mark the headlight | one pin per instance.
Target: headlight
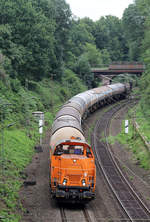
(64, 182)
(83, 182)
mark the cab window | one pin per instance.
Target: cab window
(88, 153)
(68, 149)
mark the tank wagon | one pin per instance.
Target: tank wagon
(72, 163)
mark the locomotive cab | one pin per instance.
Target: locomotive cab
(72, 171)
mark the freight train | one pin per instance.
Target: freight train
(72, 165)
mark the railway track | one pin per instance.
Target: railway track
(131, 204)
(67, 215)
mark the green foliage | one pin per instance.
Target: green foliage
(79, 36)
(16, 153)
(124, 78)
(133, 20)
(142, 118)
(93, 55)
(62, 17)
(16, 107)
(143, 10)
(29, 39)
(33, 36)
(105, 56)
(45, 57)
(133, 141)
(83, 69)
(108, 35)
(4, 66)
(143, 6)
(71, 84)
(15, 85)
(48, 118)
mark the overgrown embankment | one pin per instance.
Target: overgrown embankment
(19, 130)
(133, 140)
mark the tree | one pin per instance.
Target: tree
(105, 56)
(83, 69)
(93, 55)
(133, 20)
(109, 35)
(31, 39)
(79, 36)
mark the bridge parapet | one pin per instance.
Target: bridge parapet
(120, 68)
(127, 66)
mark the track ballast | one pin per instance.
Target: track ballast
(131, 204)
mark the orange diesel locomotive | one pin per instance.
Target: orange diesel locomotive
(72, 163)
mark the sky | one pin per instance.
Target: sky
(94, 9)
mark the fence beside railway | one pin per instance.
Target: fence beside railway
(144, 139)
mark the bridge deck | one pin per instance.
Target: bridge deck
(117, 71)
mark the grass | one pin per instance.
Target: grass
(17, 142)
(134, 143)
(17, 152)
(143, 122)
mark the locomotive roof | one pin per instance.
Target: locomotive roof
(74, 142)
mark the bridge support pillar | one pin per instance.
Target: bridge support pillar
(106, 80)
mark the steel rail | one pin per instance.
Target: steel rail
(84, 211)
(62, 213)
(86, 215)
(126, 196)
(121, 173)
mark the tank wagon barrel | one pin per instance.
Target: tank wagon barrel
(72, 163)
